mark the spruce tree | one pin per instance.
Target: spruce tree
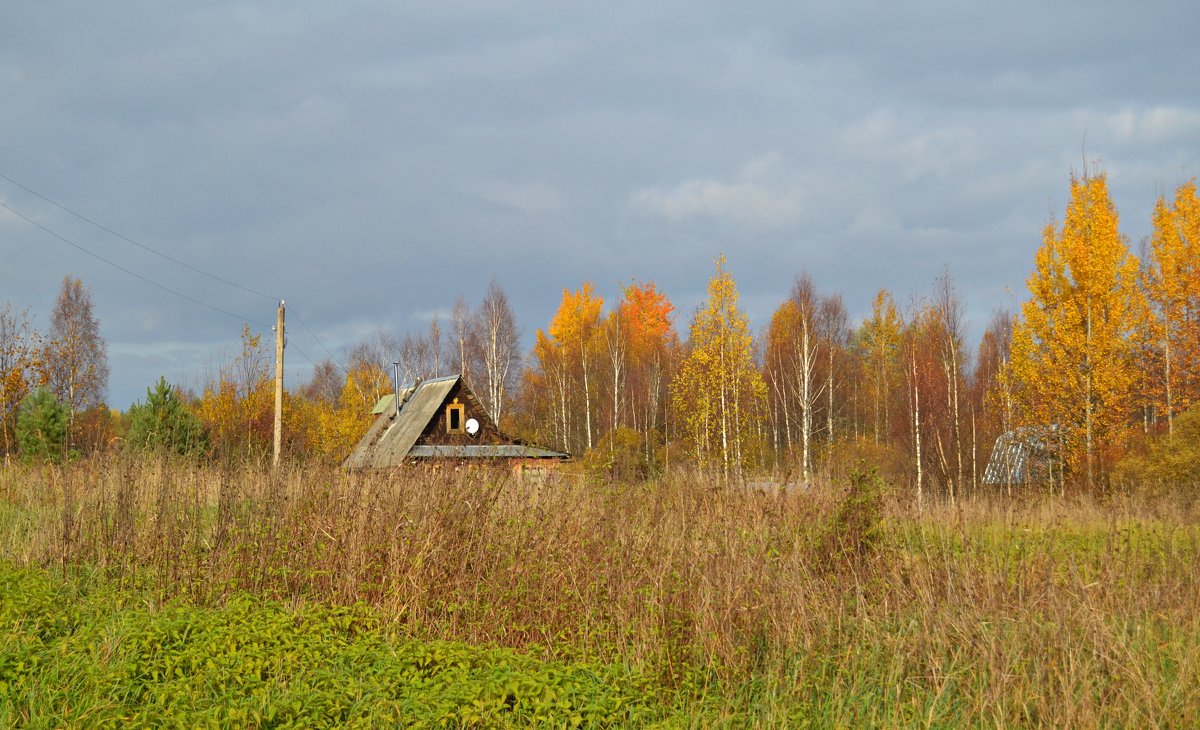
(42, 427)
(165, 424)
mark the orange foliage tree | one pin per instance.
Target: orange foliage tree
(591, 376)
(643, 346)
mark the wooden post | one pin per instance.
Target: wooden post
(279, 343)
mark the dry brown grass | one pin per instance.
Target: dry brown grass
(841, 600)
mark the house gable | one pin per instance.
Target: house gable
(438, 431)
(431, 423)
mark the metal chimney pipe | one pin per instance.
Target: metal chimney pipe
(396, 380)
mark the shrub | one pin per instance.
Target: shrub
(847, 457)
(164, 423)
(622, 455)
(1171, 463)
(42, 427)
(857, 524)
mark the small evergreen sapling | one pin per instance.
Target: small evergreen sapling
(42, 427)
(164, 423)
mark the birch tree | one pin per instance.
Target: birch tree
(77, 361)
(1171, 279)
(879, 341)
(948, 313)
(1072, 355)
(495, 326)
(575, 330)
(718, 389)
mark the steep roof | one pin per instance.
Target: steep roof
(393, 437)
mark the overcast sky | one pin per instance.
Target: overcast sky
(369, 162)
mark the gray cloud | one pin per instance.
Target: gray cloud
(371, 161)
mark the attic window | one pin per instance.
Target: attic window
(454, 417)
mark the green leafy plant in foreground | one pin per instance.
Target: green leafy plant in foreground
(80, 653)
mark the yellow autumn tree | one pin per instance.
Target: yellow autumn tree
(1073, 361)
(1171, 279)
(538, 414)
(344, 424)
(237, 406)
(326, 418)
(576, 336)
(718, 391)
(879, 345)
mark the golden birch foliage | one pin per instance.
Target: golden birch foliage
(647, 324)
(542, 410)
(1072, 352)
(785, 323)
(342, 426)
(718, 391)
(577, 317)
(301, 424)
(238, 408)
(779, 365)
(781, 333)
(545, 390)
(879, 342)
(575, 330)
(327, 429)
(1171, 279)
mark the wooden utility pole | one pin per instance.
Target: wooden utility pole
(279, 343)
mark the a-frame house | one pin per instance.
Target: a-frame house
(437, 419)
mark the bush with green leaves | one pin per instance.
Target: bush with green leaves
(165, 424)
(42, 427)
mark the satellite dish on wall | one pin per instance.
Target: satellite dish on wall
(472, 426)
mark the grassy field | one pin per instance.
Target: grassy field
(680, 602)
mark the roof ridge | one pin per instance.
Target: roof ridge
(422, 381)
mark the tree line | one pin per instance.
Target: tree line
(62, 373)
(1100, 367)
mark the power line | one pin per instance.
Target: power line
(302, 352)
(318, 339)
(142, 246)
(117, 266)
(156, 252)
(153, 283)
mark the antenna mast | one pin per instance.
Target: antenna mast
(279, 344)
